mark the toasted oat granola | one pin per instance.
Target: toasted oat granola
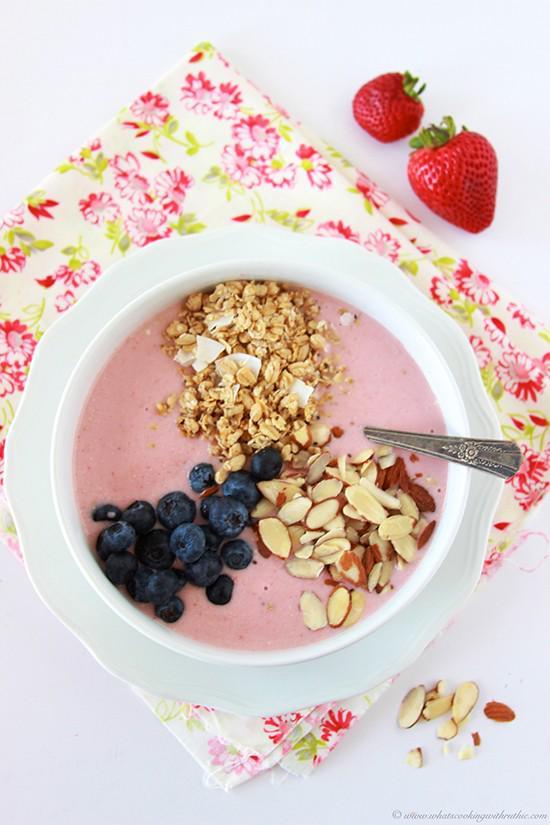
(266, 350)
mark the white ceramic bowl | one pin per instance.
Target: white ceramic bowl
(364, 293)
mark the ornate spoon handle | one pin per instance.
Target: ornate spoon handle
(501, 458)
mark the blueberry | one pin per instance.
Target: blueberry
(201, 477)
(227, 516)
(170, 611)
(266, 464)
(120, 567)
(175, 508)
(237, 554)
(182, 578)
(221, 590)
(114, 539)
(162, 585)
(242, 486)
(212, 539)
(107, 512)
(188, 542)
(137, 584)
(206, 504)
(141, 515)
(206, 570)
(153, 549)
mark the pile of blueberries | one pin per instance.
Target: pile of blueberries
(166, 558)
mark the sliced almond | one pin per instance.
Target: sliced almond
(350, 567)
(386, 461)
(311, 536)
(263, 509)
(414, 758)
(383, 450)
(277, 492)
(385, 499)
(365, 504)
(317, 468)
(431, 694)
(305, 568)
(327, 535)
(338, 606)
(411, 707)
(447, 729)
(406, 548)
(327, 548)
(320, 434)
(352, 513)
(335, 573)
(362, 457)
(351, 477)
(359, 552)
(374, 576)
(385, 573)
(465, 698)
(369, 470)
(419, 527)
(305, 551)
(466, 752)
(395, 527)
(295, 531)
(408, 505)
(342, 464)
(441, 687)
(302, 436)
(313, 610)
(357, 608)
(375, 538)
(337, 523)
(295, 510)
(352, 535)
(437, 707)
(329, 488)
(321, 513)
(275, 536)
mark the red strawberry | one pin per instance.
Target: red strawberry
(389, 107)
(455, 175)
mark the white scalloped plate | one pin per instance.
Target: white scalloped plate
(119, 646)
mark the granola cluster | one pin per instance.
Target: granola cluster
(241, 403)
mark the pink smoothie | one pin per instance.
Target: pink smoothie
(125, 451)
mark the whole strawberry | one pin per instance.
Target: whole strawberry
(455, 175)
(389, 107)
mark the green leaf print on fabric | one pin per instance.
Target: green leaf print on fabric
(308, 747)
(187, 224)
(296, 221)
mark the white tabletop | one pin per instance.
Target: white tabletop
(78, 747)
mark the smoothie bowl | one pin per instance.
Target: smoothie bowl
(211, 476)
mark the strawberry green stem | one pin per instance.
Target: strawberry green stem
(409, 83)
(435, 136)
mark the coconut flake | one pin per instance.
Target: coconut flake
(219, 323)
(184, 358)
(302, 390)
(207, 350)
(199, 365)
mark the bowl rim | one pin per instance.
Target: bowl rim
(202, 276)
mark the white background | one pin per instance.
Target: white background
(77, 747)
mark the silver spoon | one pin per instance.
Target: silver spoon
(500, 458)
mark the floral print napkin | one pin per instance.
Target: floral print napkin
(202, 149)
